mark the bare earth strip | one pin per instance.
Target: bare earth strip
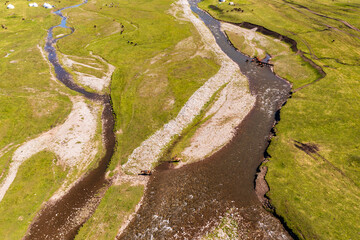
(72, 142)
(229, 110)
(151, 149)
(250, 36)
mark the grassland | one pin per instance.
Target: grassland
(31, 103)
(155, 77)
(37, 179)
(159, 63)
(316, 191)
(118, 202)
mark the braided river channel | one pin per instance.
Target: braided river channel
(187, 202)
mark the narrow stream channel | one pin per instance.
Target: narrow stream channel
(185, 203)
(58, 220)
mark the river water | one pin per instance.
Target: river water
(62, 219)
(186, 203)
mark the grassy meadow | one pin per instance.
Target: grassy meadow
(118, 202)
(156, 60)
(31, 102)
(286, 64)
(160, 61)
(36, 181)
(317, 191)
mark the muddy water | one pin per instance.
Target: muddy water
(185, 203)
(62, 219)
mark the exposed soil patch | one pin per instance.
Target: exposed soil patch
(96, 83)
(262, 187)
(312, 150)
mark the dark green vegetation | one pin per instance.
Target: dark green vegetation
(314, 170)
(118, 202)
(36, 181)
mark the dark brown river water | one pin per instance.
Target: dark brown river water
(185, 203)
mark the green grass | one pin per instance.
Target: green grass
(30, 100)
(145, 95)
(37, 179)
(31, 103)
(60, 32)
(116, 205)
(318, 199)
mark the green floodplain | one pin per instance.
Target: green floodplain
(314, 169)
